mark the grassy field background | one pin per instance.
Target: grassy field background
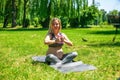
(17, 46)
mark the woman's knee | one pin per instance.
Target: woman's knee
(74, 53)
(50, 55)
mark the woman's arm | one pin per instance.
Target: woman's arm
(48, 41)
(66, 40)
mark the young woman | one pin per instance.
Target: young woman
(55, 40)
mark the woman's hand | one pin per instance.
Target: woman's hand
(59, 39)
(66, 40)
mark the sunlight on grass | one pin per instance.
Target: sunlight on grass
(18, 46)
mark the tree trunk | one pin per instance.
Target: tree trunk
(6, 13)
(25, 21)
(13, 14)
(24, 13)
(5, 21)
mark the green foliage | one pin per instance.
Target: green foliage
(45, 22)
(70, 10)
(43, 9)
(17, 46)
(114, 12)
(64, 21)
(35, 22)
(88, 15)
(27, 22)
(74, 22)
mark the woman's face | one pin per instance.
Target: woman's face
(55, 25)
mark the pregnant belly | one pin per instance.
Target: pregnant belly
(56, 51)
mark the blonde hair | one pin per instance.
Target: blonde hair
(50, 25)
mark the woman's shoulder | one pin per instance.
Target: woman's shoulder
(62, 33)
(49, 34)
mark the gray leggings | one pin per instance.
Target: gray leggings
(52, 59)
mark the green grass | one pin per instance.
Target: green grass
(17, 46)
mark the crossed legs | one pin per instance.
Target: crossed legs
(52, 59)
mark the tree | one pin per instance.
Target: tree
(7, 13)
(45, 13)
(2, 9)
(113, 17)
(13, 13)
(88, 15)
(114, 12)
(19, 12)
(26, 12)
(102, 16)
(25, 20)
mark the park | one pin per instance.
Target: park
(23, 26)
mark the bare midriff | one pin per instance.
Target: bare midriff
(57, 51)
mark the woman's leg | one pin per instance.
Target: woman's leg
(52, 59)
(69, 57)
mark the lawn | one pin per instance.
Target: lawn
(17, 46)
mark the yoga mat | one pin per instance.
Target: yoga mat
(77, 66)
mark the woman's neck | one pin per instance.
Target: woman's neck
(56, 33)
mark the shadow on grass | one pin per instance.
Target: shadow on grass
(23, 29)
(111, 44)
(105, 32)
(30, 29)
(34, 63)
